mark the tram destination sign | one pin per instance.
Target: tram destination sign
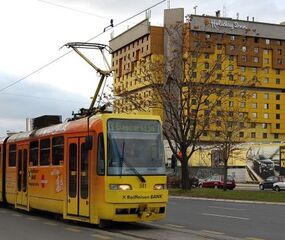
(132, 125)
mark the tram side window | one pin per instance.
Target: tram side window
(12, 155)
(34, 154)
(45, 152)
(101, 156)
(57, 150)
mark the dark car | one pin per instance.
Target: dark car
(263, 166)
(217, 181)
(268, 182)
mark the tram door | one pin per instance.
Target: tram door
(77, 178)
(22, 161)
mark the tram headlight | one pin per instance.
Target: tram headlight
(123, 187)
(159, 187)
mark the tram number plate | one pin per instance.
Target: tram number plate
(142, 185)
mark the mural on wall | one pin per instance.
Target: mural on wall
(263, 161)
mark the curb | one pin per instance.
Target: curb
(228, 200)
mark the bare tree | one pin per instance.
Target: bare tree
(189, 88)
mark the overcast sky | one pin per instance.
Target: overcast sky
(32, 32)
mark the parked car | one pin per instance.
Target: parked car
(263, 166)
(278, 186)
(217, 181)
(268, 182)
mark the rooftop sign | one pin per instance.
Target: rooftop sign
(217, 24)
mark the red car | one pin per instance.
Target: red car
(217, 181)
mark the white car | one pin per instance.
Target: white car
(278, 186)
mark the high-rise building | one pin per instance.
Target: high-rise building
(250, 49)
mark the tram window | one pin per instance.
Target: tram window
(57, 150)
(72, 170)
(12, 155)
(101, 155)
(45, 152)
(34, 156)
(84, 171)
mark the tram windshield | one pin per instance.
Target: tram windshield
(135, 147)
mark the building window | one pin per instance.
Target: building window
(194, 74)
(253, 125)
(266, 106)
(241, 124)
(219, 46)
(241, 134)
(279, 61)
(266, 60)
(277, 116)
(254, 105)
(254, 69)
(264, 135)
(276, 135)
(278, 42)
(219, 76)
(231, 67)
(243, 69)
(266, 70)
(277, 71)
(231, 103)
(277, 81)
(277, 106)
(217, 134)
(267, 41)
(219, 57)
(266, 95)
(266, 115)
(254, 115)
(206, 55)
(242, 104)
(255, 50)
(254, 95)
(277, 97)
(279, 51)
(242, 78)
(243, 48)
(266, 80)
(207, 65)
(208, 35)
(252, 135)
(231, 77)
(219, 103)
(277, 125)
(193, 101)
(231, 57)
(255, 59)
(264, 125)
(266, 51)
(232, 47)
(232, 37)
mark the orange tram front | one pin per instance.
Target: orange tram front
(107, 167)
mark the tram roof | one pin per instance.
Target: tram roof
(79, 125)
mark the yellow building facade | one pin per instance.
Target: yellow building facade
(246, 49)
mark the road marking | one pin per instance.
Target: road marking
(100, 236)
(225, 208)
(176, 226)
(213, 232)
(225, 216)
(73, 229)
(50, 223)
(31, 218)
(17, 215)
(254, 238)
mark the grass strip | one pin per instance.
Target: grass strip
(263, 196)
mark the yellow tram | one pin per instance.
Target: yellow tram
(104, 167)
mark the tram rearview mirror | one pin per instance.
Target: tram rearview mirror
(88, 142)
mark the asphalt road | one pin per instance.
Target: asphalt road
(242, 220)
(186, 219)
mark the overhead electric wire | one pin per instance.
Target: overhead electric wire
(63, 55)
